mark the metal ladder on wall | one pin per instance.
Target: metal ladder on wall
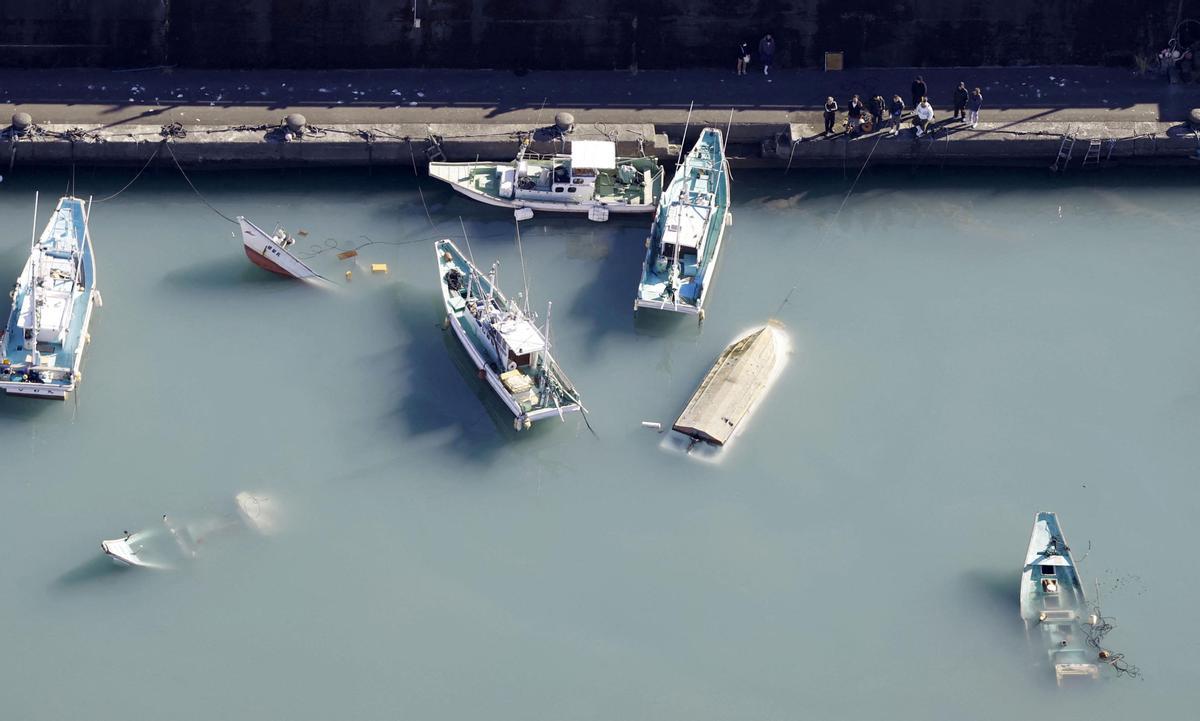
(1092, 158)
(1064, 152)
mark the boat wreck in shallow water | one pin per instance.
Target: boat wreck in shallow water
(47, 330)
(1053, 605)
(732, 386)
(509, 351)
(685, 240)
(590, 180)
(271, 252)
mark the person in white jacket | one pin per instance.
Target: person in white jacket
(924, 117)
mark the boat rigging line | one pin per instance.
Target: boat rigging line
(194, 189)
(521, 255)
(683, 139)
(855, 183)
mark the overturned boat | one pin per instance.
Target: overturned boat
(1053, 605)
(173, 542)
(733, 385)
(47, 330)
(511, 353)
(271, 252)
(591, 179)
(685, 239)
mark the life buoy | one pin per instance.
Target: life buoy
(512, 365)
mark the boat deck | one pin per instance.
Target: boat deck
(538, 183)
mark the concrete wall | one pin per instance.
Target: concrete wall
(559, 34)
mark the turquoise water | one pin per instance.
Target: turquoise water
(969, 348)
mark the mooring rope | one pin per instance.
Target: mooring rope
(195, 189)
(145, 165)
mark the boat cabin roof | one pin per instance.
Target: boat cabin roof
(520, 335)
(1040, 541)
(597, 154)
(685, 225)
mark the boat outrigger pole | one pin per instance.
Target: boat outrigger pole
(33, 275)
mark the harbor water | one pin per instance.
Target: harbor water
(968, 348)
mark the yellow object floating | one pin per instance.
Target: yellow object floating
(348, 275)
(379, 267)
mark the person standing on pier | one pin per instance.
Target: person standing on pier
(974, 103)
(924, 117)
(960, 101)
(830, 114)
(897, 112)
(743, 58)
(766, 52)
(877, 108)
(854, 112)
(919, 90)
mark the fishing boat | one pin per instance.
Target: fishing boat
(510, 352)
(1053, 605)
(47, 330)
(592, 180)
(272, 251)
(685, 238)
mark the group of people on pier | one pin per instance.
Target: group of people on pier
(878, 114)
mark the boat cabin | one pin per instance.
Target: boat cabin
(683, 228)
(55, 283)
(569, 179)
(518, 342)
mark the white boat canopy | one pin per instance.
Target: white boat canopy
(597, 154)
(520, 335)
(685, 225)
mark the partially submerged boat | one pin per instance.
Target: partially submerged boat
(685, 239)
(1053, 604)
(511, 353)
(733, 385)
(167, 545)
(47, 331)
(271, 252)
(591, 179)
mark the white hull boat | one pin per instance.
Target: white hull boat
(590, 180)
(509, 351)
(271, 252)
(47, 330)
(1053, 605)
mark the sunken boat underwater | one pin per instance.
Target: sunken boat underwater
(685, 239)
(273, 252)
(510, 352)
(1053, 605)
(592, 180)
(733, 386)
(52, 303)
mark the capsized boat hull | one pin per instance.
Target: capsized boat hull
(263, 251)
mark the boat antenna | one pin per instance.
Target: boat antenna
(549, 305)
(85, 240)
(683, 140)
(466, 239)
(521, 255)
(725, 144)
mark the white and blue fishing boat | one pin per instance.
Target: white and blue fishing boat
(1053, 605)
(47, 329)
(510, 352)
(685, 240)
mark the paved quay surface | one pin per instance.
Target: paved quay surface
(1046, 101)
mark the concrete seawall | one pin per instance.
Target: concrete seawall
(794, 145)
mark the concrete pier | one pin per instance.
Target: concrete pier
(399, 117)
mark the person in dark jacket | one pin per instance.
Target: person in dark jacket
(743, 58)
(919, 90)
(960, 101)
(766, 52)
(896, 109)
(877, 109)
(854, 113)
(830, 114)
(974, 103)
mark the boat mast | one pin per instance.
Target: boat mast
(33, 276)
(683, 140)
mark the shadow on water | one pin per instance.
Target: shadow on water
(233, 271)
(97, 569)
(442, 392)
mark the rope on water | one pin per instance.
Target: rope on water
(195, 189)
(149, 160)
